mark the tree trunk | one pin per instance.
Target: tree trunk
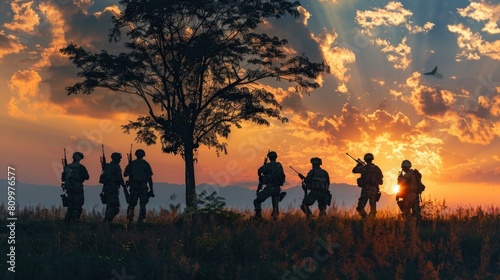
(190, 182)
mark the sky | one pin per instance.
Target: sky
(375, 99)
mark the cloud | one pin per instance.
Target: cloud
(392, 15)
(483, 12)
(336, 57)
(469, 128)
(432, 101)
(304, 14)
(28, 101)
(293, 101)
(472, 44)
(25, 18)
(399, 55)
(9, 44)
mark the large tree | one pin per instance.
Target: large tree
(197, 65)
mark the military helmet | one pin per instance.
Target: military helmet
(406, 163)
(368, 156)
(140, 153)
(116, 156)
(77, 156)
(272, 154)
(316, 160)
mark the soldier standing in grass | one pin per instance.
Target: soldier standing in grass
(409, 190)
(371, 178)
(112, 179)
(73, 176)
(272, 175)
(318, 181)
(140, 176)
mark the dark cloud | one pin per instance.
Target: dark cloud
(298, 36)
(352, 125)
(434, 101)
(293, 102)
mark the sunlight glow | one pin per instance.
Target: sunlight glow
(395, 189)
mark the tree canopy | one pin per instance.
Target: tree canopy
(197, 65)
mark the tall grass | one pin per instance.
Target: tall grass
(461, 243)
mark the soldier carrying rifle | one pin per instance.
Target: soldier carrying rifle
(410, 188)
(271, 175)
(318, 182)
(112, 179)
(140, 177)
(371, 178)
(73, 176)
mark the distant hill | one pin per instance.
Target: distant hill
(237, 197)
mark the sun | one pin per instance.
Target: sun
(395, 189)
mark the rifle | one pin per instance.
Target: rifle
(259, 187)
(356, 160)
(64, 197)
(304, 187)
(103, 159)
(127, 184)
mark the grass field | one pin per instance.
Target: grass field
(462, 243)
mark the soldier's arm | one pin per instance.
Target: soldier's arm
(327, 178)
(127, 170)
(261, 170)
(358, 168)
(120, 177)
(85, 173)
(308, 178)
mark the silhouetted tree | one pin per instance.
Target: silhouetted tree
(196, 64)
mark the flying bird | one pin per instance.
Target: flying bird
(432, 72)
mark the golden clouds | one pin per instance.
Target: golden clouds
(25, 18)
(399, 55)
(490, 14)
(27, 101)
(56, 20)
(472, 129)
(9, 44)
(392, 15)
(304, 13)
(336, 57)
(472, 44)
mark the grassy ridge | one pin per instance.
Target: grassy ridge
(459, 244)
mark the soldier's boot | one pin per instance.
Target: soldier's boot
(372, 214)
(322, 213)
(257, 216)
(361, 211)
(306, 210)
(274, 214)
(130, 215)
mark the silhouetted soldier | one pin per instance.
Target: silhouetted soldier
(73, 176)
(371, 178)
(140, 176)
(408, 192)
(112, 179)
(273, 176)
(318, 181)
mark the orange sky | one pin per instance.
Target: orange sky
(375, 100)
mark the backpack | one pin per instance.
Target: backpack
(276, 176)
(71, 176)
(138, 171)
(420, 186)
(105, 177)
(319, 181)
(372, 175)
